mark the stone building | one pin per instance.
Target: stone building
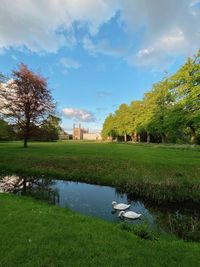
(92, 136)
(78, 132)
(83, 134)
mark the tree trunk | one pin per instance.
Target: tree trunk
(163, 137)
(125, 138)
(193, 135)
(26, 134)
(135, 137)
(138, 137)
(148, 137)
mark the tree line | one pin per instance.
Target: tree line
(27, 109)
(169, 112)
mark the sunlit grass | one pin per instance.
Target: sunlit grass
(156, 171)
(37, 234)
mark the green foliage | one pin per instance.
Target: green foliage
(6, 131)
(50, 129)
(136, 122)
(122, 120)
(186, 88)
(109, 128)
(169, 112)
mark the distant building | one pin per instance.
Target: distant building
(92, 136)
(78, 132)
(83, 134)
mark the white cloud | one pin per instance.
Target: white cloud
(102, 47)
(48, 25)
(164, 27)
(160, 53)
(79, 115)
(169, 28)
(69, 63)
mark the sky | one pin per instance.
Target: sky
(97, 54)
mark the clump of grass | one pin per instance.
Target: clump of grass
(161, 192)
(143, 231)
(185, 227)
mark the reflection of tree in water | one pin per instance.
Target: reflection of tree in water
(31, 186)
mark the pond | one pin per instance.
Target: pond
(96, 200)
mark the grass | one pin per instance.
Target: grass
(160, 173)
(35, 234)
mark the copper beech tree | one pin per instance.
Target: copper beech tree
(27, 100)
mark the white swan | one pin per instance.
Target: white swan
(129, 215)
(120, 206)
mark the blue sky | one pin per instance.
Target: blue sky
(98, 54)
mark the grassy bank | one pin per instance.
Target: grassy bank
(36, 234)
(160, 173)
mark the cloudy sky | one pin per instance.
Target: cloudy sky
(97, 54)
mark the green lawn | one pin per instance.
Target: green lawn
(158, 172)
(34, 233)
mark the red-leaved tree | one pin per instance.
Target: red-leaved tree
(27, 99)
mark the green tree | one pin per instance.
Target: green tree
(186, 87)
(122, 120)
(168, 112)
(50, 128)
(162, 104)
(6, 131)
(135, 125)
(109, 129)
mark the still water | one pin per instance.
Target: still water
(95, 200)
(182, 220)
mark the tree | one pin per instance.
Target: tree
(170, 111)
(186, 87)
(160, 103)
(6, 131)
(50, 129)
(109, 129)
(27, 100)
(135, 127)
(122, 120)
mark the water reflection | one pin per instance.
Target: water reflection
(95, 200)
(37, 188)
